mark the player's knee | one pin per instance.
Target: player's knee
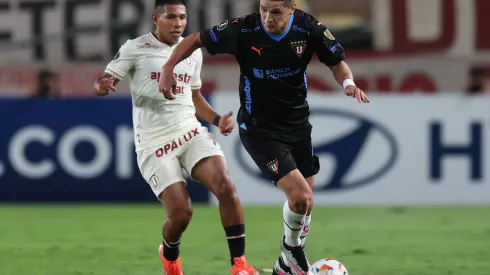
(182, 218)
(225, 190)
(301, 200)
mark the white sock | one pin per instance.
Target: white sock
(293, 226)
(306, 229)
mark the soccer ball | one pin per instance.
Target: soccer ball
(328, 267)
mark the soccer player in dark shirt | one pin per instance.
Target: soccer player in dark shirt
(273, 49)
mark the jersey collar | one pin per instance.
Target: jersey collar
(279, 37)
(163, 45)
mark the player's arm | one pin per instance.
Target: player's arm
(115, 71)
(222, 38)
(331, 53)
(105, 85)
(342, 73)
(204, 111)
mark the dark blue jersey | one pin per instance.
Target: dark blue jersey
(273, 85)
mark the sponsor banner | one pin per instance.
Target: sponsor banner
(72, 151)
(394, 75)
(397, 150)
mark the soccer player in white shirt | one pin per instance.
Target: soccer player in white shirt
(169, 138)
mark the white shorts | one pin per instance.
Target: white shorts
(161, 166)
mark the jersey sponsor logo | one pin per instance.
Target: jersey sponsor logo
(296, 28)
(299, 47)
(256, 29)
(186, 78)
(155, 56)
(222, 25)
(213, 35)
(334, 47)
(253, 48)
(147, 46)
(248, 95)
(177, 143)
(328, 35)
(273, 166)
(179, 89)
(275, 73)
(258, 73)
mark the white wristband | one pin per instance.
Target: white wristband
(348, 82)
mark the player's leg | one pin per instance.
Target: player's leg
(309, 166)
(307, 225)
(204, 161)
(175, 199)
(275, 160)
(164, 175)
(300, 197)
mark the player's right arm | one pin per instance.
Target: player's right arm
(122, 62)
(222, 38)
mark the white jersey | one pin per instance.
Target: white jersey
(157, 120)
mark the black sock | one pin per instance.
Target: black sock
(171, 250)
(236, 240)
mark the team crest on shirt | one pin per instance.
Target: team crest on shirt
(274, 166)
(299, 47)
(189, 61)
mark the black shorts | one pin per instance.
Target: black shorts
(276, 157)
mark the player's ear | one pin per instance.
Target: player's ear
(154, 18)
(293, 8)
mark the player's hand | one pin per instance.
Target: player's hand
(226, 124)
(167, 83)
(355, 92)
(106, 85)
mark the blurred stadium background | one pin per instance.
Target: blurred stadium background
(404, 186)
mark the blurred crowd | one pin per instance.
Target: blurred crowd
(354, 23)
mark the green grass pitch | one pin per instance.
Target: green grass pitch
(123, 240)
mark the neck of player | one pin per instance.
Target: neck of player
(161, 38)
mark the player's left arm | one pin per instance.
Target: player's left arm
(331, 53)
(204, 111)
(343, 75)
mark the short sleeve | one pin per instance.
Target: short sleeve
(196, 82)
(223, 38)
(122, 62)
(329, 51)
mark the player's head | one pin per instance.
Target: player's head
(170, 19)
(275, 14)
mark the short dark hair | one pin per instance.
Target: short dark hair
(161, 3)
(287, 3)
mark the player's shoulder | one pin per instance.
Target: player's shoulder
(306, 21)
(143, 41)
(245, 22)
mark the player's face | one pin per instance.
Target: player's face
(275, 16)
(170, 22)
